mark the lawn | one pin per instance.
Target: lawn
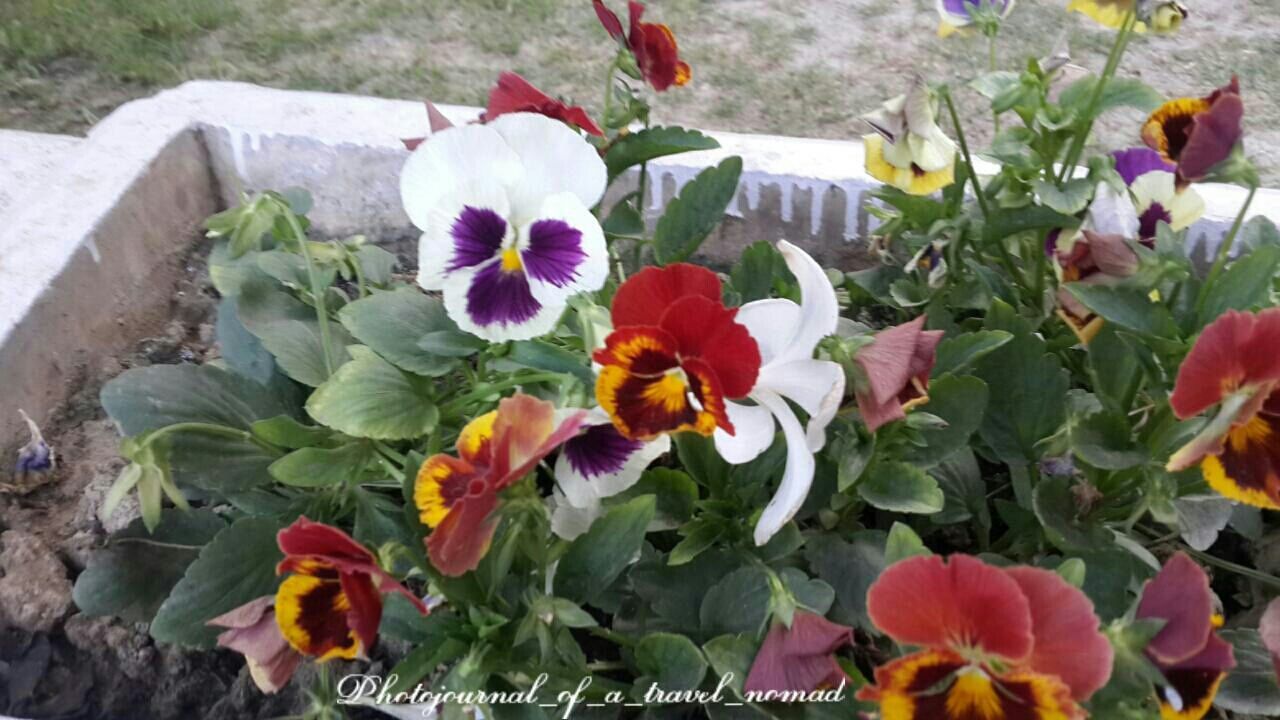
(797, 67)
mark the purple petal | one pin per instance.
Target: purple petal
(497, 296)
(554, 252)
(1136, 162)
(601, 450)
(477, 236)
(1151, 219)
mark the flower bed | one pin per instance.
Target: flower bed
(567, 468)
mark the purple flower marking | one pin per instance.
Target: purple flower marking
(554, 252)
(477, 236)
(500, 297)
(965, 8)
(1151, 219)
(1136, 162)
(601, 450)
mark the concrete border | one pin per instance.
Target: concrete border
(92, 251)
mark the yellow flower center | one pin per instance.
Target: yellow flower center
(511, 260)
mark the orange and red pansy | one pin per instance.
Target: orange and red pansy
(997, 644)
(331, 603)
(1234, 365)
(1187, 649)
(675, 355)
(1197, 134)
(456, 496)
(652, 44)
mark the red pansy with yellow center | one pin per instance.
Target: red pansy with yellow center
(1197, 134)
(1235, 366)
(675, 355)
(456, 496)
(1187, 649)
(652, 44)
(998, 644)
(331, 603)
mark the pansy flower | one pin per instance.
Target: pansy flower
(252, 631)
(676, 355)
(331, 603)
(800, 657)
(1162, 16)
(456, 496)
(1187, 650)
(996, 644)
(597, 463)
(956, 15)
(514, 94)
(508, 234)
(652, 44)
(787, 335)
(908, 150)
(1198, 135)
(35, 458)
(1156, 195)
(895, 370)
(1234, 365)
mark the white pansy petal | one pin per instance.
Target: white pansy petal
(817, 386)
(819, 309)
(491, 304)
(555, 158)
(450, 159)
(1186, 208)
(772, 323)
(564, 247)
(753, 433)
(796, 479)
(453, 234)
(1112, 213)
(569, 521)
(600, 463)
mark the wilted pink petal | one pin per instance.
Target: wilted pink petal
(800, 657)
(1180, 596)
(253, 632)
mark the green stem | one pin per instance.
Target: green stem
(964, 152)
(459, 403)
(608, 92)
(1264, 578)
(206, 428)
(1228, 242)
(317, 292)
(992, 64)
(1095, 99)
(611, 636)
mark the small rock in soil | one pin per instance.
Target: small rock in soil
(35, 593)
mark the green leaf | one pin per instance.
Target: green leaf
(1130, 308)
(376, 263)
(424, 660)
(1119, 92)
(624, 220)
(241, 349)
(754, 274)
(1113, 365)
(1068, 199)
(597, 557)
(961, 403)
(1258, 232)
(853, 449)
(395, 323)
(134, 573)
(739, 603)
(691, 217)
(319, 467)
(699, 536)
(1245, 285)
(285, 431)
(676, 493)
(900, 487)
(962, 351)
(1056, 509)
(1251, 687)
(675, 592)
(903, 543)
(994, 84)
(732, 655)
(671, 661)
(239, 565)
(652, 143)
(1105, 440)
(699, 457)
(289, 330)
(369, 397)
(541, 355)
(966, 493)
(850, 567)
(813, 594)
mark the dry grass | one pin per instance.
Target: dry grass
(799, 67)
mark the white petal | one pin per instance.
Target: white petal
(435, 247)
(456, 286)
(594, 269)
(753, 433)
(449, 159)
(1112, 213)
(568, 521)
(796, 479)
(582, 492)
(772, 323)
(817, 386)
(555, 158)
(819, 309)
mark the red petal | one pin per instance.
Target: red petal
(1236, 350)
(1179, 594)
(366, 608)
(513, 94)
(313, 539)
(524, 433)
(412, 144)
(704, 328)
(1213, 134)
(640, 350)
(959, 604)
(1067, 641)
(645, 296)
(610, 21)
(436, 119)
(457, 546)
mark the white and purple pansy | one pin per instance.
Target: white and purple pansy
(1156, 197)
(596, 464)
(508, 234)
(958, 14)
